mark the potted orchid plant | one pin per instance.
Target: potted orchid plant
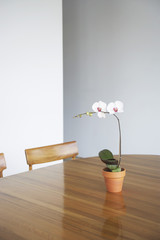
(113, 173)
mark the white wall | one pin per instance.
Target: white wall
(31, 100)
(112, 52)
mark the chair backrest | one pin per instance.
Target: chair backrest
(51, 153)
(2, 164)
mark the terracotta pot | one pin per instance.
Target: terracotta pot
(114, 180)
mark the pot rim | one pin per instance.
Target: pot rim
(114, 174)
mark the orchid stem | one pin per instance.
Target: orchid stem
(119, 127)
(119, 139)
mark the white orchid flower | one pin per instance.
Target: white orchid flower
(115, 107)
(100, 108)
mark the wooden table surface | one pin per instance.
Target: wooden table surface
(69, 201)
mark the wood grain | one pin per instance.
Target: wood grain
(69, 201)
(51, 153)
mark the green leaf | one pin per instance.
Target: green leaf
(112, 167)
(105, 154)
(118, 169)
(111, 162)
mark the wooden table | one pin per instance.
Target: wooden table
(69, 201)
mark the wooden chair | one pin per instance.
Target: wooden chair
(51, 153)
(2, 164)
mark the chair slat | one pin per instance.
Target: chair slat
(51, 153)
(2, 164)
